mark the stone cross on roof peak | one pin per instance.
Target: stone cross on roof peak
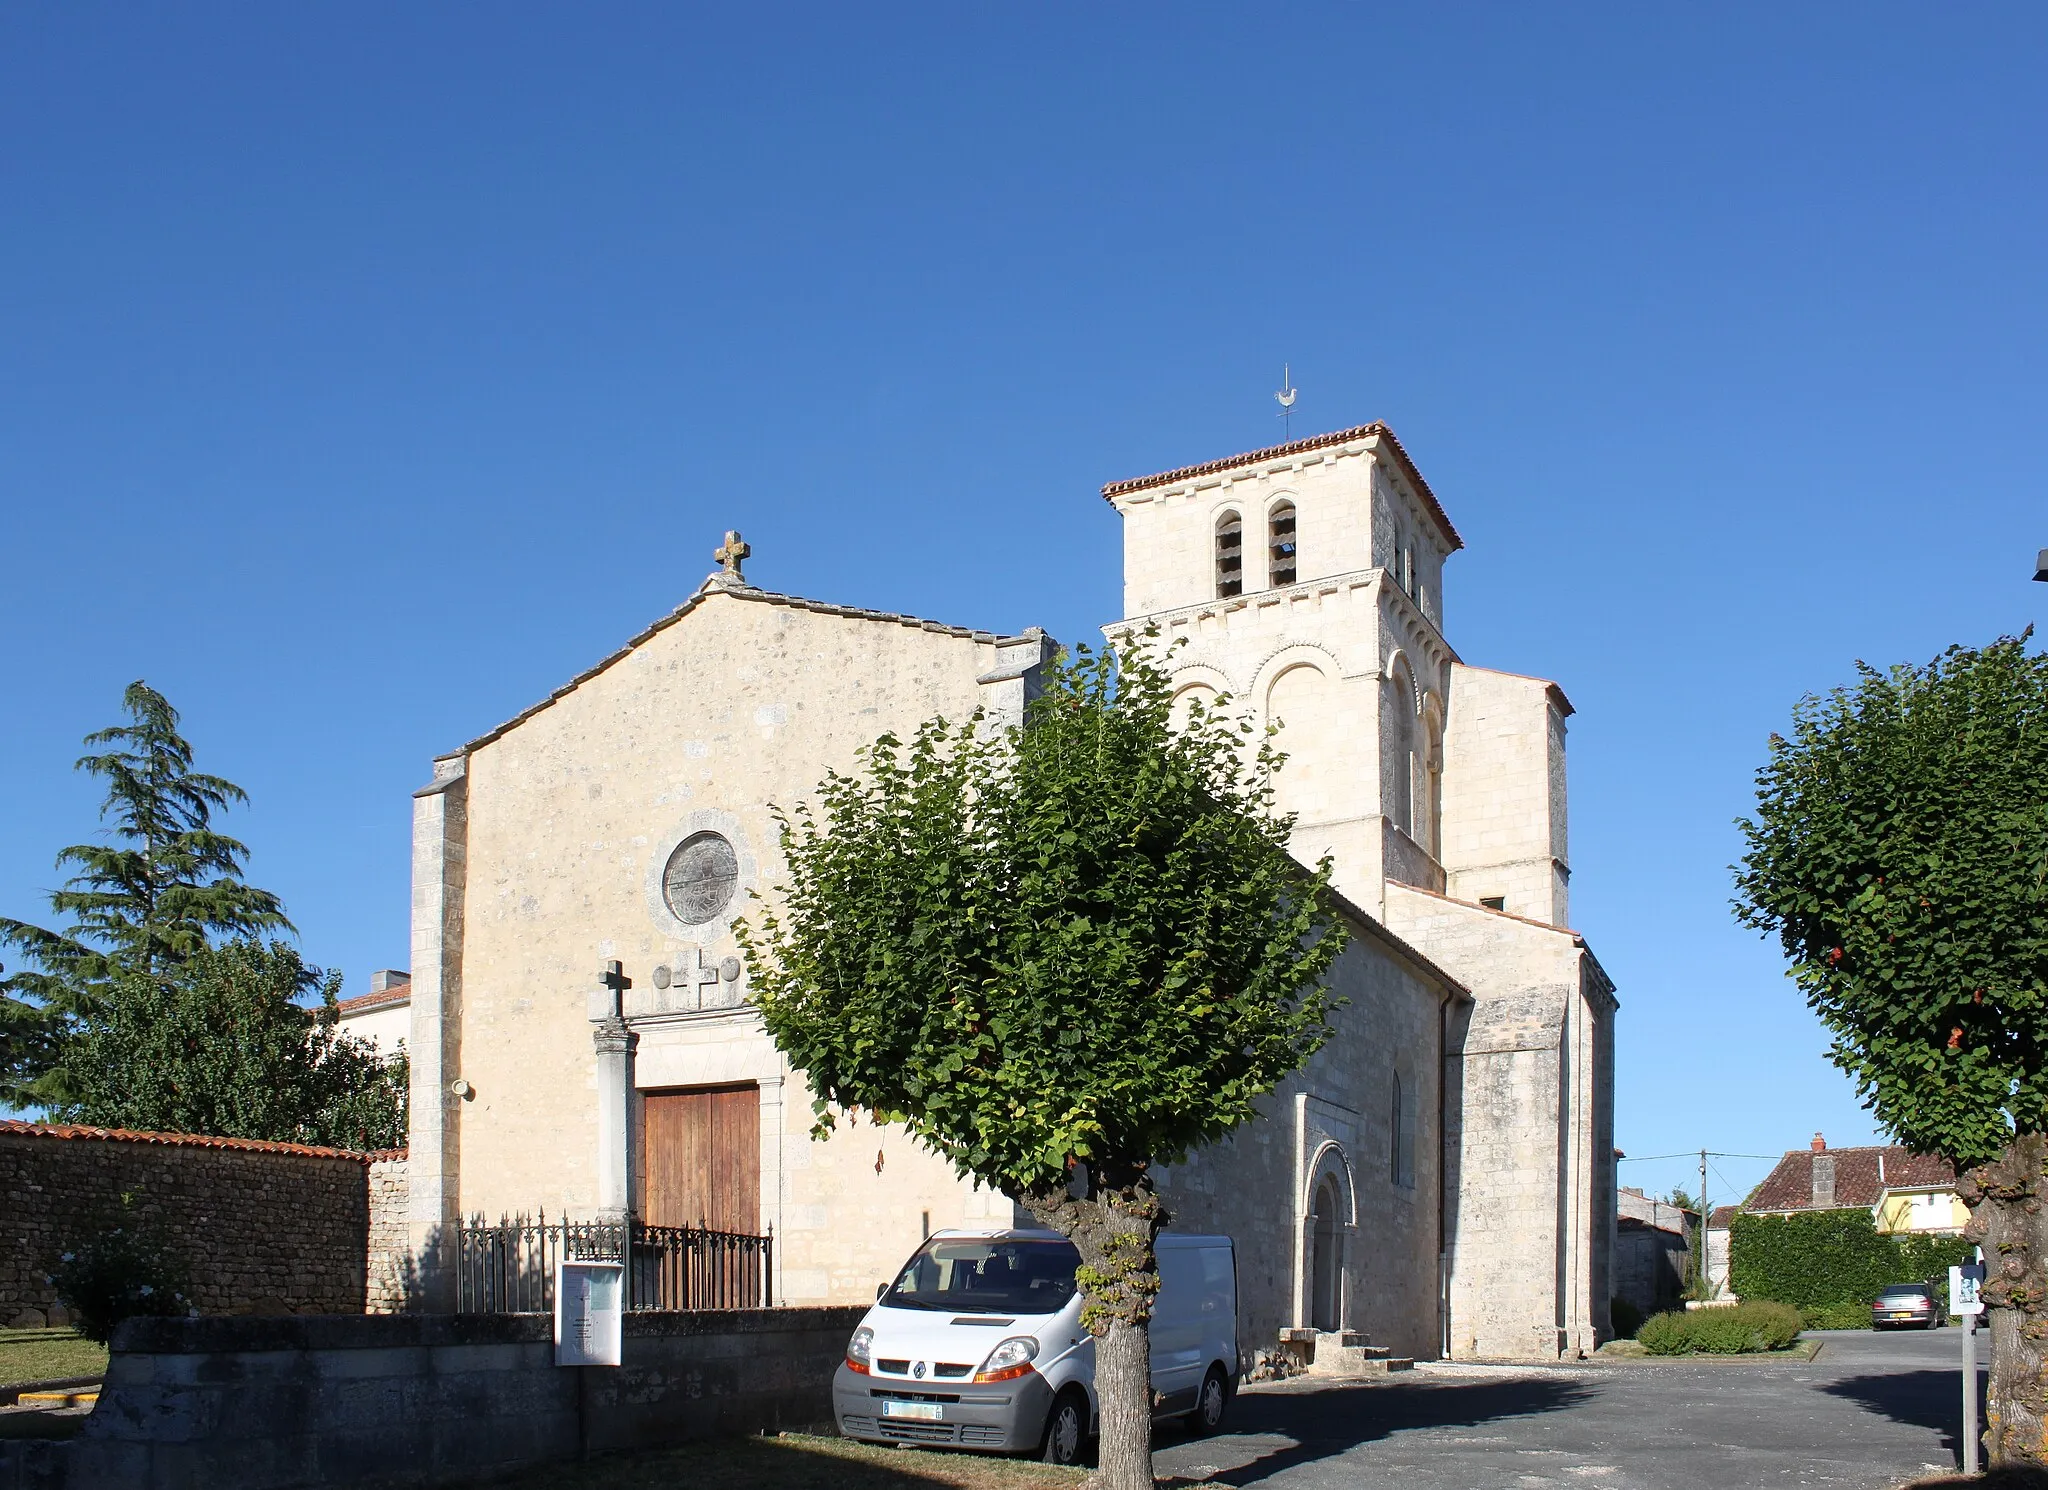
(735, 550)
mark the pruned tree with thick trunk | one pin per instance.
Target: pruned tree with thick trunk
(1059, 956)
(1900, 853)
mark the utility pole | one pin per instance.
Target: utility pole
(1705, 1284)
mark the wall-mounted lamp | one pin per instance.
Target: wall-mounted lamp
(462, 1089)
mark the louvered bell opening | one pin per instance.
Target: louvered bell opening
(1230, 557)
(1280, 557)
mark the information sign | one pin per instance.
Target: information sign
(590, 1313)
(1963, 1283)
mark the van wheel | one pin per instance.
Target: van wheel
(1066, 1430)
(1207, 1417)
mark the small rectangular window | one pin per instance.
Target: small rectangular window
(1494, 902)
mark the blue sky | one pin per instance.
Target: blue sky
(366, 371)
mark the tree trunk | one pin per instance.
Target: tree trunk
(2008, 1200)
(1116, 1230)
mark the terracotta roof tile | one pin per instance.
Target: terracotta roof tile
(1375, 430)
(1789, 1187)
(189, 1140)
(364, 1003)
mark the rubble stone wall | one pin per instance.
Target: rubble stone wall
(256, 1228)
(391, 1281)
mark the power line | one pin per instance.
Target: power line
(1722, 1177)
(1691, 1154)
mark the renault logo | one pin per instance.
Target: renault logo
(918, 1370)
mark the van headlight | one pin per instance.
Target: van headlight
(1009, 1360)
(859, 1348)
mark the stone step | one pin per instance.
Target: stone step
(1356, 1360)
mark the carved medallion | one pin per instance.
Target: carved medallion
(700, 877)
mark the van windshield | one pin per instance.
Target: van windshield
(987, 1275)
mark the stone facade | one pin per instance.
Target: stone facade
(1438, 791)
(1439, 1176)
(1358, 1125)
(1529, 1129)
(256, 1227)
(539, 851)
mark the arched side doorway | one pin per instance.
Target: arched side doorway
(1326, 1272)
(1331, 1216)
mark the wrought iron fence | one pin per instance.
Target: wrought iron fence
(510, 1268)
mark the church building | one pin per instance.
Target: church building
(1438, 1177)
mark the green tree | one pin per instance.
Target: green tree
(141, 905)
(1058, 956)
(1900, 854)
(223, 1046)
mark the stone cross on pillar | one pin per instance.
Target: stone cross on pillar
(614, 1042)
(735, 550)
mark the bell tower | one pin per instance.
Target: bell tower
(1306, 580)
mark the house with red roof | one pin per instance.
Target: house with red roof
(1902, 1190)
(382, 1017)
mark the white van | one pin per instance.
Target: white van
(978, 1343)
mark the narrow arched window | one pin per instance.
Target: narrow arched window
(1432, 809)
(1397, 779)
(1401, 1158)
(1229, 555)
(1280, 555)
(1394, 1131)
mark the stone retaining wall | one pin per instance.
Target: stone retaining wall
(272, 1228)
(413, 1399)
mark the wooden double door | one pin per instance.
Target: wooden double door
(700, 1158)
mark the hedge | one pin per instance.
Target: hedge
(1836, 1316)
(1818, 1258)
(1740, 1330)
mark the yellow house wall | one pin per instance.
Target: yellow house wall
(1895, 1213)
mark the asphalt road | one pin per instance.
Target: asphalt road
(1869, 1411)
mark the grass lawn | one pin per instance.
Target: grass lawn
(44, 1355)
(796, 1461)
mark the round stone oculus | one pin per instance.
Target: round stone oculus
(700, 878)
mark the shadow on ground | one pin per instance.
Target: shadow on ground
(1322, 1424)
(1925, 1399)
(789, 1462)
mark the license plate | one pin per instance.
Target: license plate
(929, 1412)
(1902, 1314)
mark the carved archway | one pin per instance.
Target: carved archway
(1329, 1224)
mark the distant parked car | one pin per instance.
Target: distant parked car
(1908, 1305)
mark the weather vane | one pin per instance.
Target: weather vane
(1285, 398)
